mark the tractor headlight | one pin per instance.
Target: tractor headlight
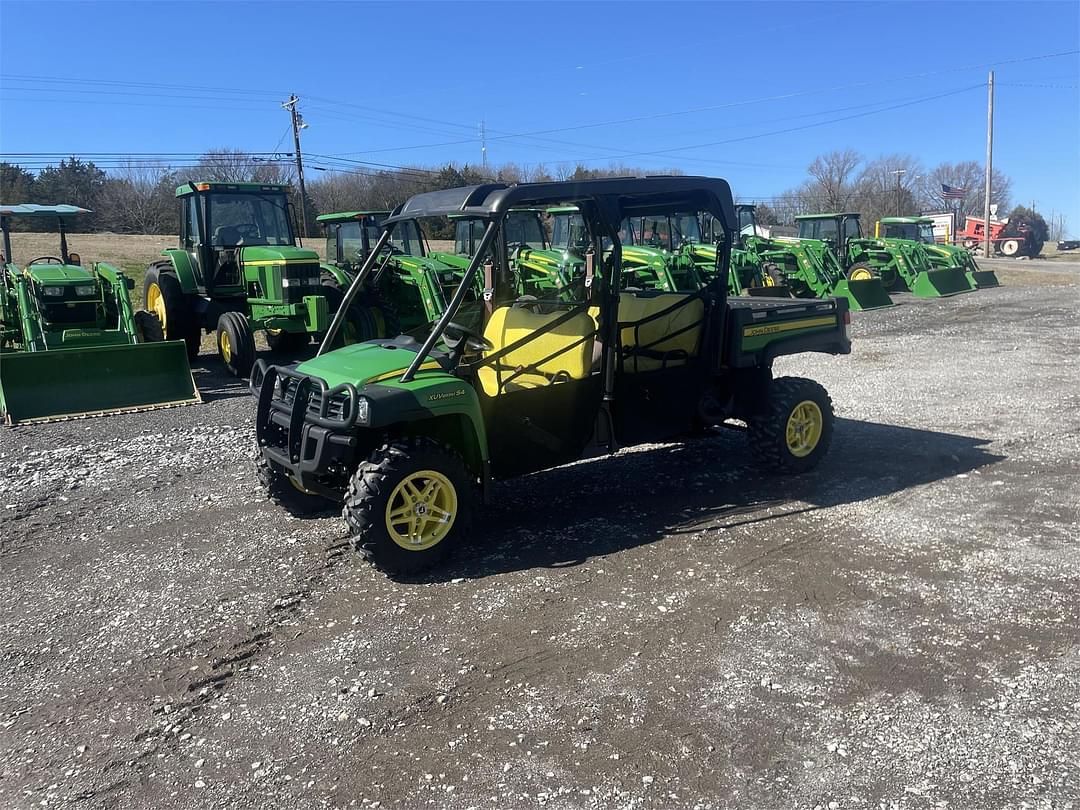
(87, 289)
(363, 410)
(53, 292)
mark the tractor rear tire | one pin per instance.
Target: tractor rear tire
(148, 327)
(287, 342)
(417, 485)
(792, 432)
(236, 343)
(776, 273)
(280, 489)
(178, 320)
(370, 316)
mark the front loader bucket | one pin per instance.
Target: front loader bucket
(776, 291)
(64, 383)
(863, 294)
(940, 282)
(980, 279)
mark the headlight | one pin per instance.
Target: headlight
(88, 289)
(53, 292)
(363, 410)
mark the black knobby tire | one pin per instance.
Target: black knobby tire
(280, 490)
(181, 322)
(148, 327)
(287, 342)
(775, 272)
(241, 343)
(373, 485)
(370, 316)
(768, 429)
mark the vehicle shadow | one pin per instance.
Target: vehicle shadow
(215, 383)
(565, 516)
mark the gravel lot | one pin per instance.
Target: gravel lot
(665, 628)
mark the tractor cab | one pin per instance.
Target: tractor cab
(912, 229)
(350, 236)
(836, 229)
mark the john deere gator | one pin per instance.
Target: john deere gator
(902, 266)
(238, 269)
(407, 434)
(921, 230)
(70, 342)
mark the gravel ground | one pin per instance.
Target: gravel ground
(665, 628)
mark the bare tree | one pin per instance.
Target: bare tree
(970, 176)
(889, 186)
(832, 178)
(237, 166)
(139, 198)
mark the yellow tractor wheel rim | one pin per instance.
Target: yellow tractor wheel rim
(804, 427)
(155, 302)
(226, 347)
(861, 274)
(421, 510)
(768, 281)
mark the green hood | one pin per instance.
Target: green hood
(60, 274)
(277, 254)
(364, 363)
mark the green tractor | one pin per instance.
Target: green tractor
(70, 342)
(804, 268)
(751, 274)
(238, 269)
(902, 266)
(921, 230)
(407, 434)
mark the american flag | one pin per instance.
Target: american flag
(952, 192)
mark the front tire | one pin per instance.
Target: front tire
(163, 295)
(409, 504)
(286, 342)
(148, 327)
(861, 271)
(280, 489)
(236, 343)
(793, 431)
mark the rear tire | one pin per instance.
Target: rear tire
(400, 501)
(287, 342)
(861, 271)
(236, 343)
(148, 327)
(163, 295)
(774, 272)
(792, 432)
(280, 489)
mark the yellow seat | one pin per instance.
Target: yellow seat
(572, 350)
(650, 336)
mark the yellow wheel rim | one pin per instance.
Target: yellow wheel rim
(804, 428)
(226, 347)
(861, 274)
(768, 281)
(421, 510)
(155, 302)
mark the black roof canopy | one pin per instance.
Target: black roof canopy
(615, 197)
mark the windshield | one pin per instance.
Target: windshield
(406, 239)
(747, 226)
(818, 229)
(851, 228)
(569, 232)
(357, 238)
(663, 231)
(926, 233)
(525, 228)
(249, 219)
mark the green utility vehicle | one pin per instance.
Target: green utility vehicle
(902, 266)
(921, 230)
(238, 269)
(405, 432)
(70, 342)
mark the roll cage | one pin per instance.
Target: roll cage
(604, 204)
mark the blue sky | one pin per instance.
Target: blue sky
(408, 83)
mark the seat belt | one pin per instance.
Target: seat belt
(489, 286)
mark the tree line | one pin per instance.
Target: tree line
(138, 196)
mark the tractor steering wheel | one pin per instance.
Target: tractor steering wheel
(46, 260)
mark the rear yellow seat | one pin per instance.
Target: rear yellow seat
(508, 325)
(650, 335)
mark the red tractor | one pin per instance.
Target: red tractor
(1008, 238)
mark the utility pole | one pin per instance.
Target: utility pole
(483, 147)
(898, 173)
(989, 163)
(297, 125)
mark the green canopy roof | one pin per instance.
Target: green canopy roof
(343, 216)
(31, 210)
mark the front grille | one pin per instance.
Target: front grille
(335, 406)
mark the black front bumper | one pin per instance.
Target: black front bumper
(304, 428)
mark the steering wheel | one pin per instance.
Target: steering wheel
(456, 337)
(46, 260)
(247, 231)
